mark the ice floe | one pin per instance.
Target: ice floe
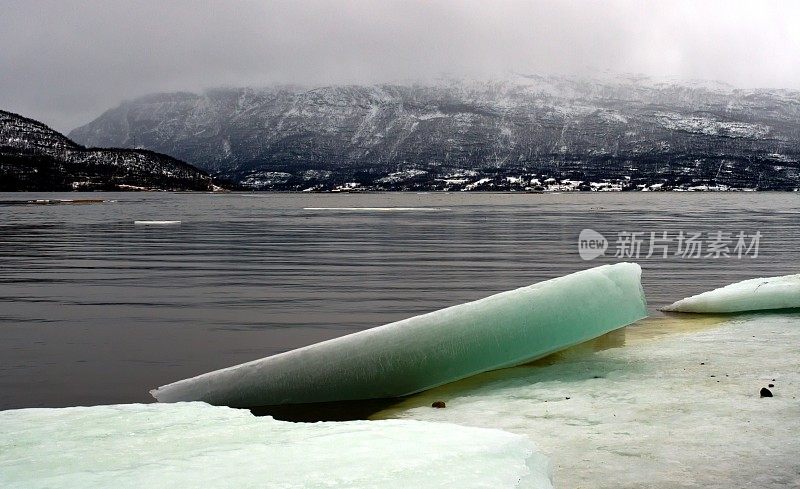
(678, 411)
(197, 445)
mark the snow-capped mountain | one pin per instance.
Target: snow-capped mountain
(585, 129)
(35, 157)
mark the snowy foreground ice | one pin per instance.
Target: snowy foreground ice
(425, 351)
(681, 410)
(197, 445)
(748, 295)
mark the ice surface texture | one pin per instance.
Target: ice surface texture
(425, 351)
(676, 412)
(197, 445)
(749, 295)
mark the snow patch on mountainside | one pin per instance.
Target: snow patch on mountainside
(710, 126)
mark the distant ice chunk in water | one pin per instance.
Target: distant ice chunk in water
(425, 351)
(749, 295)
(156, 223)
(197, 445)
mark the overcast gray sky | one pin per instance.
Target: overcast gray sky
(65, 62)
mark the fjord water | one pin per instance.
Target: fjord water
(96, 310)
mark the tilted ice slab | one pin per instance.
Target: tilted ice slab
(197, 445)
(425, 351)
(749, 295)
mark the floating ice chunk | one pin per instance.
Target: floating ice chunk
(425, 351)
(378, 209)
(155, 223)
(197, 445)
(749, 295)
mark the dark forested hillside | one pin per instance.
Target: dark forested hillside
(34, 157)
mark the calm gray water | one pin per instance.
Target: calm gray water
(97, 310)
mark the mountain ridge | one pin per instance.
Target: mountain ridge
(292, 137)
